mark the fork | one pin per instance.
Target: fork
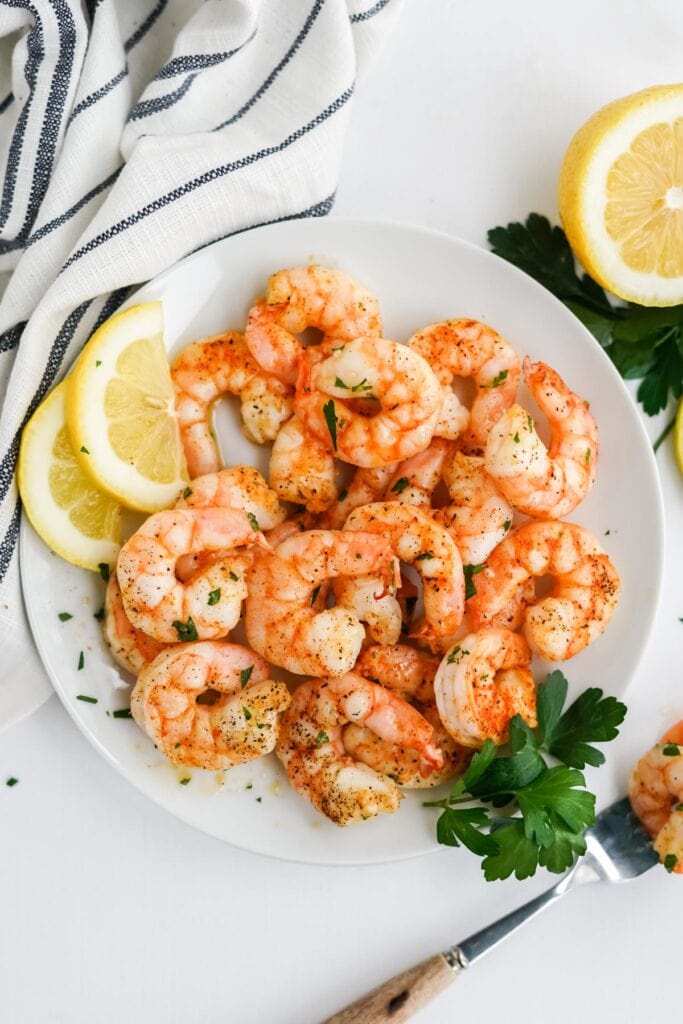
(618, 849)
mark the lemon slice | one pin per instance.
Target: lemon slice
(76, 520)
(121, 412)
(621, 196)
(678, 436)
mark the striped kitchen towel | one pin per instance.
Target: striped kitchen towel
(132, 132)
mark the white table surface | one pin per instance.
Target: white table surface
(110, 910)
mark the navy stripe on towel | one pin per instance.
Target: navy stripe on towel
(370, 13)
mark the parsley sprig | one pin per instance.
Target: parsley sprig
(547, 807)
(644, 344)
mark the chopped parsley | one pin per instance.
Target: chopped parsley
(187, 492)
(671, 750)
(184, 782)
(11, 781)
(314, 593)
(123, 713)
(84, 450)
(253, 521)
(425, 554)
(99, 614)
(497, 380)
(453, 654)
(245, 676)
(81, 660)
(186, 631)
(321, 738)
(507, 524)
(516, 438)
(354, 388)
(470, 571)
(247, 713)
(670, 862)
(103, 570)
(331, 420)
(214, 596)
(86, 699)
(234, 576)
(64, 616)
(400, 485)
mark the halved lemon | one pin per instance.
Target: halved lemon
(621, 196)
(76, 520)
(121, 412)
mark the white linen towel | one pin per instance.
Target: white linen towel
(131, 134)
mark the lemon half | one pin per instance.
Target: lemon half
(76, 520)
(121, 412)
(621, 196)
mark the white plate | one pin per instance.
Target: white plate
(420, 277)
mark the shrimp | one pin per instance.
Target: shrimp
(209, 705)
(240, 487)
(482, 682)
(367, 598)
(220, 365)
(302, 468)
(425, 545)
(304, 297)
(367, 485)
(577, 609)
(130, 647)
(296, 524)
(398, 381)
(656, 795)
(311, 748)
(409, 673)
(454, 417)
(467, 348)
(478, 517)
(414, 480)
(208, 605)
(545, 483)
(282, 620)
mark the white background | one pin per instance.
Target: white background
(110, 910)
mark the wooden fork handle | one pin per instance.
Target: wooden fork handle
(398, 999)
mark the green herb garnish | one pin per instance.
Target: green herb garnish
(497, 380)
(547, 808)
(314, 593)
(247, 713)
(321, 738)
(253, 522)
(671, 750)
(103, 570)
(470, 571)
(64, 616)
(214, 596)
(425, 554)
(186, 631)
(86, 699)
(400, 485)
(11, 781)
(234, 576)
(184, 782)
(84, 450)
(187, 492)
(122, 713)
(81, 660)
(354, 388)
(643, 343)
(670, 862)
(331, 420)
(99, 614)
(245, 675)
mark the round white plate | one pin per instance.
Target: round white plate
(420, 277)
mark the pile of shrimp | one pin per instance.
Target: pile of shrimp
(384, 576)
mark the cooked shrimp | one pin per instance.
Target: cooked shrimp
(209, 604)
(304, 297)
(454, 417)
(282, 621)
(467, 348)
(577, 609)
(410, 673)
(407, 394)
(368, 484)
(482, 682)
(302, 467)
(209, 705)
(208, 369)
(425, 545)
(299, 523)
(414, 480)
(311, 748)
(478, 517)
(368, 599)
(545, 483)
(656, 795)
(240, 487)
(129, 646)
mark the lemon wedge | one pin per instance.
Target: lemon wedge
(678, 436)
(621, 196)
(121, 412)
(76, 520)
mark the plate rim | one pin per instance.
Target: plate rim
(350, 222)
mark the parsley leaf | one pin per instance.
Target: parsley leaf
(515, 854)
(550, 697)
(331, 420)
(555, 790)
(470, 571)
(400, 485)
(457, 825)
(592, 718)
(185, 630)
(214, 596)
(643, 343)
(497, 380)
